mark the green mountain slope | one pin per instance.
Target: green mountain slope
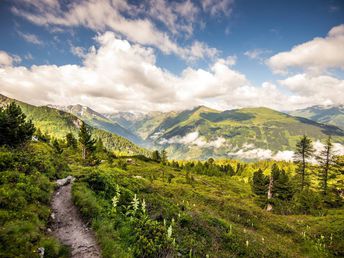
(201, 133)
(140, 124)
(333, 115)
(99, 121)
(58, 123)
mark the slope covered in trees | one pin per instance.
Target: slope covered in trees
(140, 207)
(58, 123)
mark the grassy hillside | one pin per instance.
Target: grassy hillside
(201, 133)
(58, 123)
(327, 115)
(99, 121)
(211, 216)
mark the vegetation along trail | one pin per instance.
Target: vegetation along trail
(69, 227)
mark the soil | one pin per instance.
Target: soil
(69, 227)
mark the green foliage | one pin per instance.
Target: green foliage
(304, 150)
(85, 138)
(307, 202)
(71, 142)
(156, 156)
(25, 193)
(14, 129)
(260, 183)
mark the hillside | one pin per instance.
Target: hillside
(332, 115)
(138, 123)
(58, 123)
(99, 121)
(248, 133)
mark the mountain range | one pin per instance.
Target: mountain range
(58, 123)
(198, 133)
(332, 115)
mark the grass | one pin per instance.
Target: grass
(214, 215)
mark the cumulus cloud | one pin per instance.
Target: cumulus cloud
(321, 89)
(249, 152)
(122, 17)
(119, 75)
(316, 55)
(193, 138)
(7, 59)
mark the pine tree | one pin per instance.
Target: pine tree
(71, 141)
(281, 186)
(57, 146)
(326, 161)
(14, 129)
(259, 183)
(304, 150)
(156, 156)
(87, 143)
(164, 156)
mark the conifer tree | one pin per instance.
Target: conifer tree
(259, 183)
(326, 161)
(164, 156)
(156, 156)
(85, 138)
(57, 146)
(71, 141)
(14, 129)
(304, 150)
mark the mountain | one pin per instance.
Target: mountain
(58, 123)
(332, 115)
(139, 123)
(99, 121)
(247, 133)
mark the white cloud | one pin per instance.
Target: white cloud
(8, 60)
(31, 38)
(193, 138)
(78, 51)
(322, 89)
(120, 76)
(316, 55)
(122, 17)
(257, 54)
(218, 7)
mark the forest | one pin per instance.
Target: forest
(151, 206)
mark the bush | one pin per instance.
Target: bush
(307, 202)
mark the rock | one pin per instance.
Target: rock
(52, 216)
(41, 252)
(65, 181)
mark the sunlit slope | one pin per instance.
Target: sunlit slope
(203, 132)
(58, 123)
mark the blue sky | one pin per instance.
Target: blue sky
(230, 48)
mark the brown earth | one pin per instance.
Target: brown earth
(69, 227)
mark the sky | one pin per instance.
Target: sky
(159, 55)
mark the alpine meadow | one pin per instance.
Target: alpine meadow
(180, 128)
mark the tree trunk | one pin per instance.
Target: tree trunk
(271, 184)
(303, 171)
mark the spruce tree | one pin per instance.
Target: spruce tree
(156, 156)
(87, 143)
(259, 183)
(164, 156)
(304, 150)
(14, 129)
(71, 141)
(326, 161)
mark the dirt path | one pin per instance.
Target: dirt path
(69, 227)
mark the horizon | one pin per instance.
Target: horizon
(159, 55)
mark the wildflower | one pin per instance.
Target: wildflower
(169, 231)
(247, 243)
(115, 200)
(143, 206)
(135, 203)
